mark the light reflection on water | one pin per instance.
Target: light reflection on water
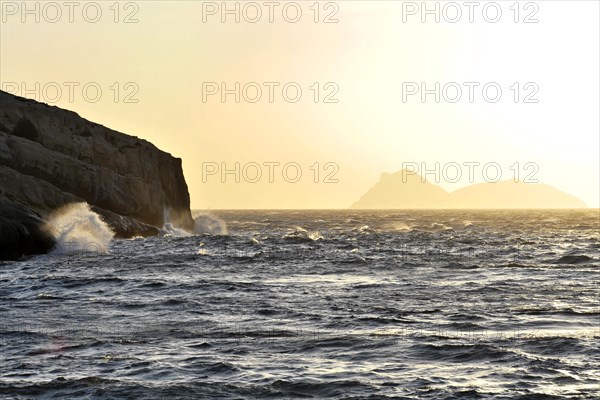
(502, 304)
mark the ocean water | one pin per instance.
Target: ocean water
(313, 304)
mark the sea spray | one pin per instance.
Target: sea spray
(77, 228)
(300, 234)
(168, 228)
(210, 224)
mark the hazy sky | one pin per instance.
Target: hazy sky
(366, 62)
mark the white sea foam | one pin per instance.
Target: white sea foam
(76, 228)
(211, 224)
(301, 234)
(170, 230)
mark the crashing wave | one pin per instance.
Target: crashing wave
(170, 230)
(302, 235)
(209, 224)
(76, 228)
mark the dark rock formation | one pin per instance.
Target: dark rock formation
(50, 157)
(22, 231)
(406, 190)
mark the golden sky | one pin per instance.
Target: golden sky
(170, 56)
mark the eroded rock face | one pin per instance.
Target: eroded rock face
(22, 231)
(50, 157)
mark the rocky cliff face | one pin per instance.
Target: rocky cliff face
(50, 157)
(21, 232)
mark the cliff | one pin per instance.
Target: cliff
(50, 157)
(408, 190)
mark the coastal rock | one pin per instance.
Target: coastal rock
(22, 231)
(50, 157)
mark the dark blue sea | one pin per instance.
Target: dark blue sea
(314, 305)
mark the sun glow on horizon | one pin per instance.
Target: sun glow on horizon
(363, 62)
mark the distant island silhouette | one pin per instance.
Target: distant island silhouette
(405, 189)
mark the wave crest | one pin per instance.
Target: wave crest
(76, 228)
(210, 224)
